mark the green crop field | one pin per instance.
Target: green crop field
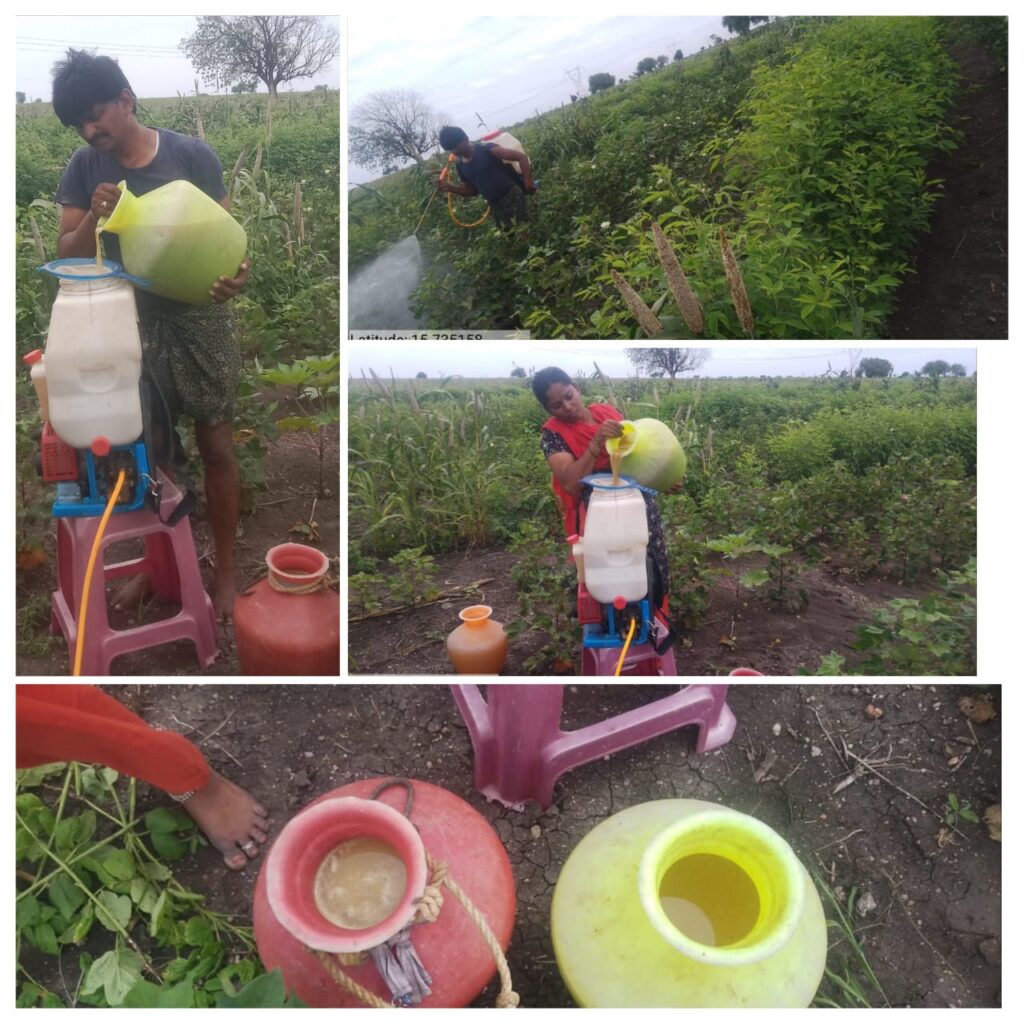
(793, 484)
(806, 146)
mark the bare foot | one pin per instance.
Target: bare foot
(230, 818)
(133, 592)
(224, 592)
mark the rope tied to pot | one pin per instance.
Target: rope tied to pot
(396, 960)
(288, 587)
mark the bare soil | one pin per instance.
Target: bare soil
(755, 633)
(931, 928)
(281, 510)
(959, 288)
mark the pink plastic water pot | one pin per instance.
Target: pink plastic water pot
(308, 840)
(448, 853)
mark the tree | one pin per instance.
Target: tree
(678, 55)
(272, 48)
(742, 26)
(875, 368)
(661, 61)
(671, 361)
(421, 375)
(20, 96)
(958, 370)
(600, 82)
(518, 372)
(647, 64)
(247, 85)
(935, 368)
(392, 124)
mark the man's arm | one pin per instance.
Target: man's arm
(504, 153)
(76, 234)
(467, 189)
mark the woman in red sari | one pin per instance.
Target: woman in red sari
(573, 442)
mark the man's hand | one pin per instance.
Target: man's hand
(104, 199)
(225, 288)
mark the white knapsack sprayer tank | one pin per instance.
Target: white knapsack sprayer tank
(94, 431)
(614, 543)
(93, 356)
(506, 140)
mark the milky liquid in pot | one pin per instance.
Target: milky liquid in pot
(359, 883)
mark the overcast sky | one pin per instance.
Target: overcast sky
(146, 48)
(497, 359)
(504, 68)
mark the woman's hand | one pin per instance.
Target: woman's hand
(605, 432)
(225, 288)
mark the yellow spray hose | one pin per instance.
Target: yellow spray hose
(101, 529)
(625, 646)
(451, 205)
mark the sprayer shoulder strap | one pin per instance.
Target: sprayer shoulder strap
(154, 410)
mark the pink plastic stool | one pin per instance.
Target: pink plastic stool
(170, 562)
(521, 750)
(641, 659)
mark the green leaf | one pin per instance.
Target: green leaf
(237, 974)
(143, 894)
(198, 932)
(97, 782)
(26, 912)
(44, 938)
(168, 845)
(755, 578)
(266, 991)
(120, 865)
(65, 895)
(117, 972)
(145, 994)
(155, 872)
(156, 917)
(163, 819)
(28, 996)
(114, 911)
(78, 931)
(33, 776)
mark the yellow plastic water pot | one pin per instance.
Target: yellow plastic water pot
(690, 904)
(652, 454)
(178, 239)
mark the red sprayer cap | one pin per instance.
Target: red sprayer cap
(573, 538)
(619, 603)
(33, 357)
(100, 446)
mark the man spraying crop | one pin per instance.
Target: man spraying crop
(487, 170)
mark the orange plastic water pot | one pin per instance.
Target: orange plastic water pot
(439, 829)
(479, 645)
(289, 623)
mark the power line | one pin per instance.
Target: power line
(109, 51)
(81, 42)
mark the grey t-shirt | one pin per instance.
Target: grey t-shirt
(177, 157)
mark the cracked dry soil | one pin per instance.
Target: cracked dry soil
(933, 937)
